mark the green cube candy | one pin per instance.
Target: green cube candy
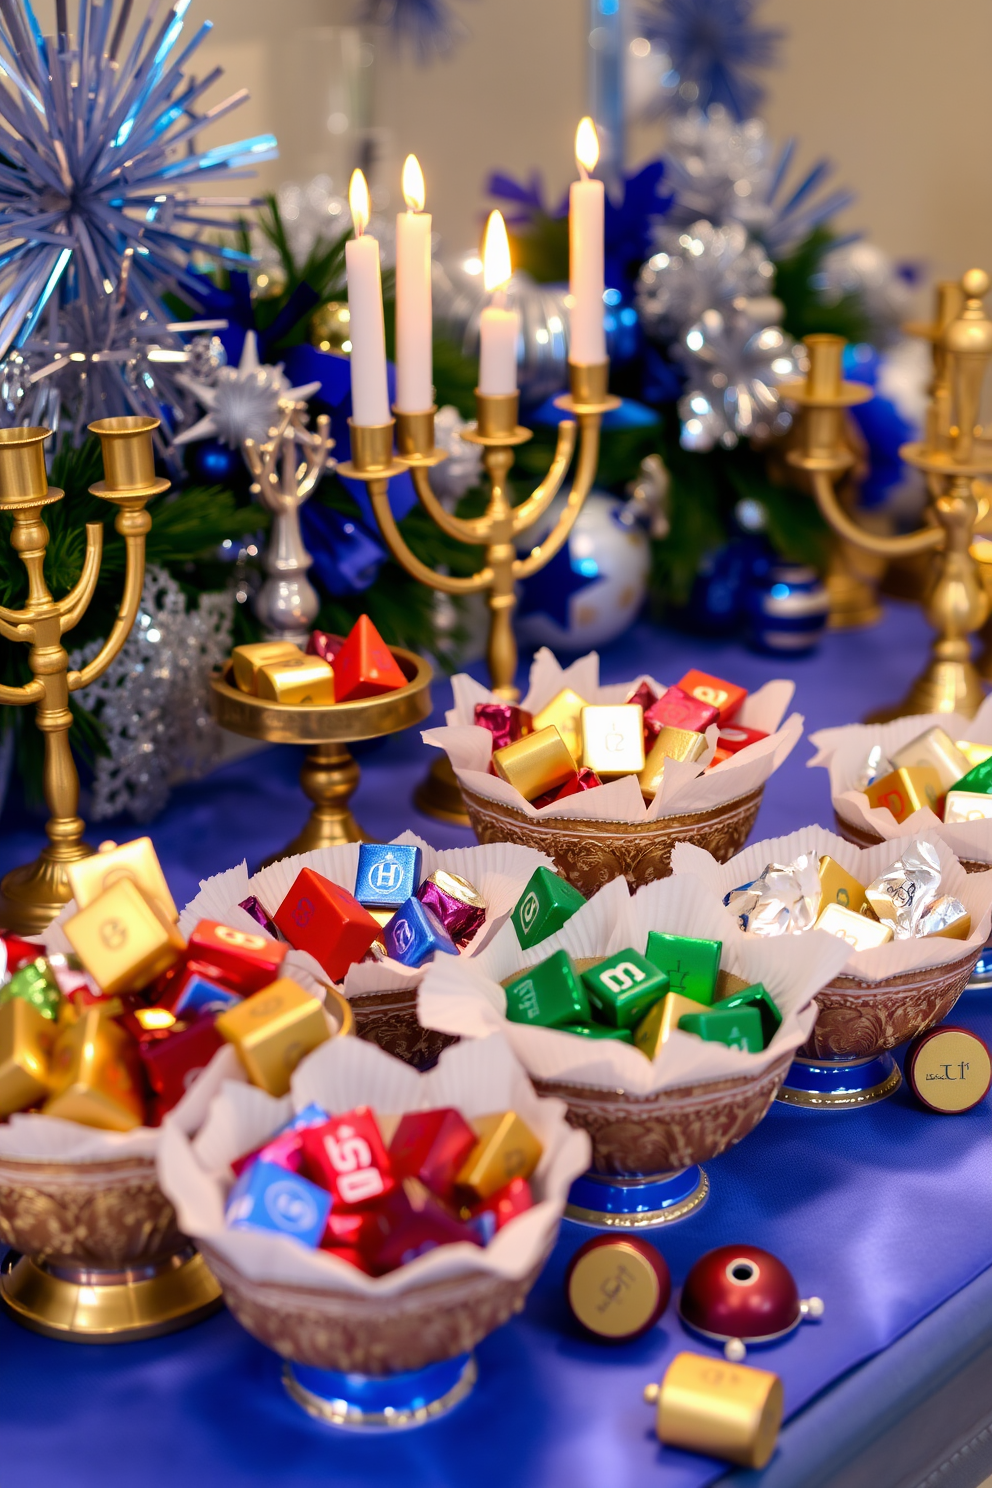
(763, 1003)
(978, 780)
(36, 984)
(738, 1030)
(623, 987)
(549, 995)
(692, 965)
(543, 907)
(600, 1031)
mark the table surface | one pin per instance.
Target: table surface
(885, 1212)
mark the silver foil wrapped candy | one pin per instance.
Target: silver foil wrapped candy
(783, 900)
(904, 893)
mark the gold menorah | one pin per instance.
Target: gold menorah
(953, 457)
(497, 431)
(33, 895)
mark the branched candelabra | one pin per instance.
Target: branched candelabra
(953, 456)
(33, 895)
(497, 431)
(286, 468)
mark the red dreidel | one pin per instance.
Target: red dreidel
(320, 917)
(365, 666)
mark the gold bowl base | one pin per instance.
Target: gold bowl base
(439, 794)
(944, 687)
(81, 1304)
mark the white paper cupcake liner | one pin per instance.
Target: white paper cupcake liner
(685, 787)
(973, 889)
(470, 1001)
(843, 752)
(476, 1078)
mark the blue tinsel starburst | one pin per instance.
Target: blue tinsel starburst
(97, 156)
(714, 46)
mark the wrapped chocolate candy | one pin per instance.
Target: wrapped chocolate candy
(564, 712)
(875, 766)
(320, 917)
(242, 961)
(457, 903)
(583, 781)
(549, 995)
(36, 984)
(935, 750)
(623, 987)
(975, 754)
(388, 874)
(736, 737)
(136, 860)
(861, 931)
(906, 791)
(783, 900)
(273, 1030)
(173, 1057)
(254, 907)
(247, 661)
(296, 681)
(946, 916)
(670, 743)
(431, 1146)
(364, 666)
(691, 965)
(325, 644)
(977, 779)
(763, 1003)
(123, 938)
(661, 1022)
(613, 740)
(725, 697)
(901, 896)
(739, 1028)
(643, 695)
(505, 721)
(346, 1155)
(677, 709)
(543, 907)
(414, 933)
(267, 1197)
(538, 763)
(25, 1043)
(487, 1218)
(94, 1076)
(16, 952)
(964, 806)
(410, 1222)
(506, 1148)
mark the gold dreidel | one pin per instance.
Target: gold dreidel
(31, 896)
(953, 457)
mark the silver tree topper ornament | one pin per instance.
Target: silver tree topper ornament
(286, 468)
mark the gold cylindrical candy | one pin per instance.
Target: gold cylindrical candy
(94, 1075)
(537, 763)
(25, 1043)
(671, 743)
(248, 660)
(273, 1030)
(296, 681)
(135, 860)
(564, 712)
(613, 739)
(506, 1149)
(721, 1409)
(124, 939)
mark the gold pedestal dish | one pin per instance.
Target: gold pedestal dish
(329, 776)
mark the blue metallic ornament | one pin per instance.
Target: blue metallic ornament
(388, 874)
(346, 556)
(214, 464)
(714, 47)
(96, 162)
(882, 425)
(414, 933)
(787, 610)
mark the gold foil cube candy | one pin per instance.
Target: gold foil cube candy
(506, 1149)
(837, 886)
(564, 712)
(136, 860)
(124, 939)
(906, 790)
(273, 1030)
(25, 1043)
(94, 1074)
(296, 682)
(613, 739)
(965, 806)
(661, 1022)
(860, 932)
(671, 743)
(937, 751)
(537, 763)
(247, 661)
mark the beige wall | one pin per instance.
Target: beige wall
(894, 91)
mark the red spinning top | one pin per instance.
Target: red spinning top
(739, 1294)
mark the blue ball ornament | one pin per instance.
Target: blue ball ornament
(214, 464)
(787, 610)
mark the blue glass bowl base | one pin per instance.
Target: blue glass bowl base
(636, 1203)
(831, 1085)
(387, 1402)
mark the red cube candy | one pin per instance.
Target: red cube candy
(736, 737)
(352, 1230)
(725, 697)
(238, 959)
(173, 1062)
(584, 780)
(502, 1206)
(320, 917)
(431, 1146)
(325, 644)
(505, 721)
(643, 694)
(20, 952)
(412, 1221)
(365, 666)
(346, 1156)
(676, 709)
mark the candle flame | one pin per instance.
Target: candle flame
(414, 192)
(359, 202)
(496, 266)
(586, 144)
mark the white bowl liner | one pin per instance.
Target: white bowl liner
(475, 1077)
(844, 752)
(499, 870)
(973, 889)
(684, 786)
(468, 999)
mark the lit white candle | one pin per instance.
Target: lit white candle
(585, 240)
(369, 392)
(498, 327)
(414, 329)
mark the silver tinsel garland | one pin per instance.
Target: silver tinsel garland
(734, 365)
(699, 268)
(153, 701)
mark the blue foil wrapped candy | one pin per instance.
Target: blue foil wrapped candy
(414, 933)
(268, 1197)
(388, 874)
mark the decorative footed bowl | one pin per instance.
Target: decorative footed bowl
(590, 853)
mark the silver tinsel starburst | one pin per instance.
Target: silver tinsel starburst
(99, 156)
(242, 402)
(699, 268)
(153, 700)
(734, 365)
(728, 171)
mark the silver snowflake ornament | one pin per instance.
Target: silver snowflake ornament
(463, 468)
(734, 366)
(699, 268)
(242, 402)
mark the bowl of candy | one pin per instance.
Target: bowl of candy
(371, 916)
(115, 1025)
(377, 1223)
(666, 1041)
(606, 779)
(914, 924)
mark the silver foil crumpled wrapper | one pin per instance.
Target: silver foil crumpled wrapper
(875, 767)
(783, 900)
(941, 915)
(902, 896)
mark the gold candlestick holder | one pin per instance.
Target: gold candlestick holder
(497, 431)
(953, 457)
(31, 896)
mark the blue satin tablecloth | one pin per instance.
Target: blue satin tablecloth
(886, 1213)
